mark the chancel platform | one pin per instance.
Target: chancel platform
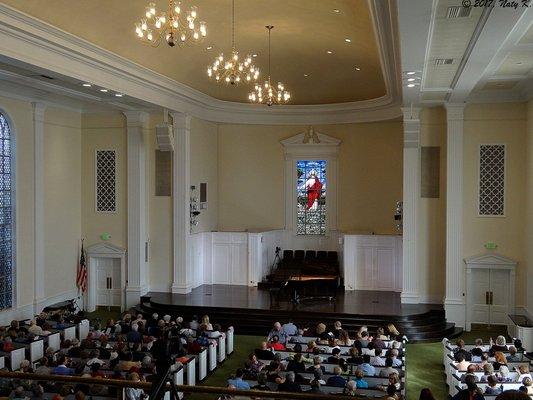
(251, 311)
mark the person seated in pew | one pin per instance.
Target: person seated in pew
(527, 382)
(34, 328)
(275, 344)
(499, 360)
(488, 370)
(460, 349)
(319, 332)
(264, 353)
(378, 344)
(206, 324)
(377, 360)
(7, 345)
(255, 365)
(273, 370)
(335, 356)
(392, 393)
(354, 358)
(337, 327)
(289, 329)
(238, 382)
(503, 374)
(311, 346)
(349, 389)
(359, 381)
(380, 334)
(261, 383)
(396, 362)
(492, 387)
(288, 384)
(484, 361)
(470, 370)
(297, 349)
(134, 336)
(362, 341)
(385, 372)
(523, 372)
(315, 387)
(62, 368)
(460, 362)
(43, 368)
(500, 345)
(96, 371)
(94, 358)
(476, 354)
(393, 332)
(126, 363)
(317, 365)
(296, 364)
(472, 392)
(513, 356)
(368, 369)
(344, 338)
(336, 380)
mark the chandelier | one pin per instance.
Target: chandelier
(233, 70)
(174, 26)
(266, 93)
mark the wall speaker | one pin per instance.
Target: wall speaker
(164, 137)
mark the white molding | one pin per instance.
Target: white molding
(38, 198)
(27, 39)
(492, 259)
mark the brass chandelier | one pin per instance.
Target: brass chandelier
(233, 70)
(266, 93)
(174, 26)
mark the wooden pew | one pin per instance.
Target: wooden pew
(329, 368)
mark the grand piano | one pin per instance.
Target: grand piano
(306, 275)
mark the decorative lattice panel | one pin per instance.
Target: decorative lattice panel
(6, 216)
(106, 181)
(492, 179)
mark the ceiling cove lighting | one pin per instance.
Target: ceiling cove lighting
(410, 72)
(174, 26)
(104, 90)
(411, 85)
(86, 85)
(266, 93)
(233, 70)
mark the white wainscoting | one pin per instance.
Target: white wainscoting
(230, 258)
(372, 262)
(261, 254)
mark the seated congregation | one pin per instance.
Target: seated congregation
(483, 370)
(321, 361)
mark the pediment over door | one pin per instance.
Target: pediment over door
(105, 249)
(490, 259)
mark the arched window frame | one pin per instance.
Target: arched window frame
(12, 143)
(310, 145)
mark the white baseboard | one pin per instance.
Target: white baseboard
(431, 299)
(164, 288)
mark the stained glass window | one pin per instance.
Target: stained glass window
(6, 216)
(311, 199)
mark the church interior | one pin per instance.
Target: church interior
(343, 186)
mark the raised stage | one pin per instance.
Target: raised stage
(250, 310)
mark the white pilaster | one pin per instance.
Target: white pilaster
(182, 274)
(136, 285)
(454, 303)
(38, 263)
(411, 195)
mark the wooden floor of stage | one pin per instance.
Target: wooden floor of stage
(362, 302)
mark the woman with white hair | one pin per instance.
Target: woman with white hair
(499, 345)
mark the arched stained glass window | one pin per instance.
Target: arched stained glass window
(6, 215)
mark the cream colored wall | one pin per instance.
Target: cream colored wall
(204, 157)
(528, 221)
(62, 200)
(251, 178)
(496, 123)
(160, 229)
(20, 116)
(431, 217)
(100, 132)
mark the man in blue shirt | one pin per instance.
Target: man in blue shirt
(238, 382)
(289, 329)
(367, 368)
(336, 380)
(62, 368)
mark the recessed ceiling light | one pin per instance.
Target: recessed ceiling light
(254, 55)
(411, 85)
(348, 40)
(86, 85)
(336, 10)
(209, 47)
(103, 90)
(119, 94)
(357, 69)
(306, 75)
(519, 63)
(410, 80)
(410, 72)
(329, 52)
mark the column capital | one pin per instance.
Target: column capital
(136, 118)
(411, 113)
(454, 111)
(180, 120)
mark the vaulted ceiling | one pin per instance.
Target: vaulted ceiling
(305, 30)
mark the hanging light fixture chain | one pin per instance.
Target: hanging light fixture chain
(233, 25)
(269, 27)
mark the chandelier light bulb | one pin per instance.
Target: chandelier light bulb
(156, 26)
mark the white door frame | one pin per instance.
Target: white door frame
(104, 250)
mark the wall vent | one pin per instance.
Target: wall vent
(458, 12)
(443, 61)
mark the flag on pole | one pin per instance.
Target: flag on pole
(81, 277)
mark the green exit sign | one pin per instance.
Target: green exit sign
(490, 245)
